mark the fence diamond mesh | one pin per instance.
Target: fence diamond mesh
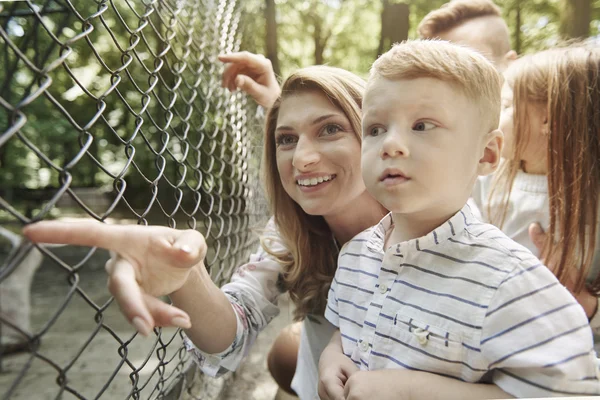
(112, 109)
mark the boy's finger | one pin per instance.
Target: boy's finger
(123, 285)
(165, 314)
(335, 391)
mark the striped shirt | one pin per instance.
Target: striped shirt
(465, 302)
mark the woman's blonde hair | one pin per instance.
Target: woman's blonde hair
(566, 82)
(311, 259)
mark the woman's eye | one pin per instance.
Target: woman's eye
(285, 140)
(331, 129)
(423, 126)
(376, 131)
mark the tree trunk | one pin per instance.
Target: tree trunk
(518, 27)
(575, 18)
(394, 25)
(272, 35)
(319, 41)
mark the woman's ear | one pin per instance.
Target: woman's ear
(491, 153)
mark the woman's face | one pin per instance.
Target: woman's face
(318, 154)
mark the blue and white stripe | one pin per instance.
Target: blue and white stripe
(464, 301)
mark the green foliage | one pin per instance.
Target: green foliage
(346, 30)
(131, 129)
(353, 28)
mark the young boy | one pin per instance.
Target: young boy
(430, 287)
(474, 23)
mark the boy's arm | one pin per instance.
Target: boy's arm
(334, 366)
(537, 339)
(334, 369)
(396, 384)
(586, 298)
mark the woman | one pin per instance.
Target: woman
(312, 176)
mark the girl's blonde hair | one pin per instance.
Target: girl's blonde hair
(311, 259)
(566, 82)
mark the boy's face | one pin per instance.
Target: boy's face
(422, 142)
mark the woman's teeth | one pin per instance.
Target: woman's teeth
(314, 181)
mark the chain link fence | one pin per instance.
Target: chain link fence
(112, 109)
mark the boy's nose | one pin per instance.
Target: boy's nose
(394, 144)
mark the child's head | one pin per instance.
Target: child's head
(551, 118)
(430, 118)
(524, 117)
(474, 23)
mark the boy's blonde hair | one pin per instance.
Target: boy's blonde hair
(465, 69)
(456, 13)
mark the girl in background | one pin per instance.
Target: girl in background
(551, 173)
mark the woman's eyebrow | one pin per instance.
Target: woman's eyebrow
(314, 122)
(323, 118)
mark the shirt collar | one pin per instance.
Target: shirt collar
(455, 226)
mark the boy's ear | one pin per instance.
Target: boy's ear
(491, 153)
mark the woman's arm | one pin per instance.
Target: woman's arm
(213, 322)
(147, 262)
(153, 261)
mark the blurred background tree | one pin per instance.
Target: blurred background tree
(292, 33)
(351, 33)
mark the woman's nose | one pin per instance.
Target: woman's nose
(305, 154)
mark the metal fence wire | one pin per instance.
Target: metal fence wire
(112, 109)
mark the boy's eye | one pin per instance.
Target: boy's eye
(285, 140)
(423, 126)
(376, 131)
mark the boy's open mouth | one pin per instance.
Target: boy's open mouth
(392, 174)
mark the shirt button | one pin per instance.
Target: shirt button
(364, 346)
(383, 288)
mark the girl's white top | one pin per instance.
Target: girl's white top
(528, 203)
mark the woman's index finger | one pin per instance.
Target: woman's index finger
(79, 233)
